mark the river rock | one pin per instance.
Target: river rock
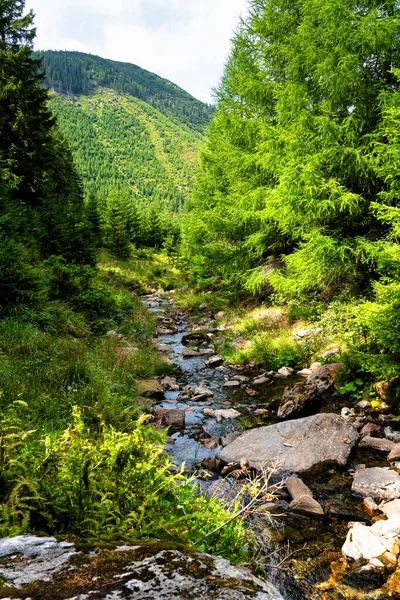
(151, 388)
(306, 504)
(261, 381)
(305, 393)
(380, 483)
(196, 337)
(382, 445)
(362, 544)
(214, 362)
(297, 488)
(295, 446)
(190, 353)
(218, 414)
(284, 372)
(394, 454)
(136, 573)
(174, 418)
(231, 384)
(392, 509)
(370, 430)
(393, 436)
(371, 507)
(42, 558)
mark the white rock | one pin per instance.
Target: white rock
(392, 509)
(388, 528)
(284, 372)
(361, 543)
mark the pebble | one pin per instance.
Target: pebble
(232, 384)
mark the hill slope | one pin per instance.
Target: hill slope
(127, 128)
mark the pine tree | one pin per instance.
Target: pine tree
(288, 174)
(117, 230)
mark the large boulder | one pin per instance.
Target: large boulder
(377, 482)
(294, 446)
(305, 393)
(126, 573)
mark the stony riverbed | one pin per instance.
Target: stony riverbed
(241, 419)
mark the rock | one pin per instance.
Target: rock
(394, 454)
(165, 331)
(297, 488)
(306, 504)
(284, 372)
(367, 578)
(315, 366)
(250, 392)
(169, 383)
(348, 413)
(214, 362)
(174, 418)
(136, 573)
(231, 384)
(377, 482)
(261, 412)
(151, 388)
(304, 372)
(305, 394)
(387, 529)
(382, 445)
(190, 353)
(229, 413)
(206, 352)
(384, 389)
(370, 429)
(364, 404)
(304, 333)
(164, 348)
(241, 378)
(393, 436)
(362, 544)
(195, 337)
(392, 509)
(231, 437)
(219, 315)
(210, 444)
(114, 335)
(43, 558)
(371, 507)
(295, 446)
(203, 307)
(261, 381)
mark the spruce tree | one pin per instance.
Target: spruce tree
(117, 229)
(288, 175)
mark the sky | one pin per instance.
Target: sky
(185, 41)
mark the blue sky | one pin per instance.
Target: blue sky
(186, 41)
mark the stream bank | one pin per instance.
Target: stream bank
(210, 405)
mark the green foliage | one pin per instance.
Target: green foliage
(289, 176)
(109, 484)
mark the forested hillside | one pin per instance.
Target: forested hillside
(81, 74)
(120, 141)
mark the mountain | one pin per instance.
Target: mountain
(127, 127)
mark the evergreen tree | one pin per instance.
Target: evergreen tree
(289, 173)
(117, 229)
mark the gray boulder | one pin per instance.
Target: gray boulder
(305, 393)
(378, 483)
(127, 573)
(294, 446)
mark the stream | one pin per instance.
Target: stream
(305, 559)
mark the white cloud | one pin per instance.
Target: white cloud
(186, 41)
